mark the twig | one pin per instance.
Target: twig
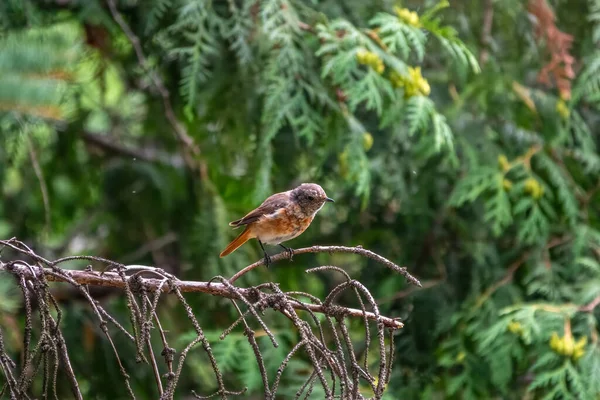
(410, 290)
(40, 177)
(589, 307)
(155, 369)
(486, 30)
(332, 249)
(178, 127)
(306, 27)
(106, 143)
(112, 279)
(510, 272)
(337, 370)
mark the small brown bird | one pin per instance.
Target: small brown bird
(281, 217)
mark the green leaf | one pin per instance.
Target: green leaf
(473, 185)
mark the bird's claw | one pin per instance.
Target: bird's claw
(267, 260)
(289, 251)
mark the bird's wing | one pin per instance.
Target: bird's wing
(270, 206)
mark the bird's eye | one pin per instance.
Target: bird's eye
(311, 198)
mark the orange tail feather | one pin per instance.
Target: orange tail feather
(237, 242)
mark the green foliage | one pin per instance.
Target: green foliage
(35, 67)
(427, 124)
(195, 31)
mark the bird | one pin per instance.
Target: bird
(281, 217)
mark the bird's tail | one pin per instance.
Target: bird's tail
(237, 242)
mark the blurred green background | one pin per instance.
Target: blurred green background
(458, 139)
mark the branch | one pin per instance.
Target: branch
(108, 144)
(306, 27)
(337, 369)
(113, 279)
(510, 273)
(40, 176)
(486, 31)
(178, 127)
(589, 307)
(333, 249)
(410, 290)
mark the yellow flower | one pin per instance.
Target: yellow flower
(361, 56)
(371, 59)
(379, 66)
(396, 79)
(503, 162)
(424, 87)
(418, 80)
(534, 188)
(367, 141)
(407, 16)
(515, 327)
(579, 348)
(414, 84)
(556, 343)
(562, 109)
(567, 346)
(577, 354)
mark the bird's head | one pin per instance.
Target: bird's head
(310, 197)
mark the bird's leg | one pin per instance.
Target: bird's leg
(289, 250)
(267, 257)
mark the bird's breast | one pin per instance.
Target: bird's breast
(280, 226)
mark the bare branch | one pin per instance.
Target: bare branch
(112, 279)
(333, 249)
(338, 371)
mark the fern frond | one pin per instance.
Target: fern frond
(155, 12)
(36, 67)
(583, 138)
(456, 49)
(226, 352)
(589, 160)
(473, 185)
(370, 91)
(564, 192)
(197, 28)
(587, 84)
(400, 37)
(240, 29)
(590, 366)
(417, 111)
(498, 208)
(441, 131)
(534, 227)
(290, 99)
(594, 18)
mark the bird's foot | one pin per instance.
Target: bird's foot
(289, 250)
(267, 258)
(268, 261)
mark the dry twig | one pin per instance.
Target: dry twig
(338, 369)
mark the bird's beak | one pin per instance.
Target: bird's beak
(329, 200)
